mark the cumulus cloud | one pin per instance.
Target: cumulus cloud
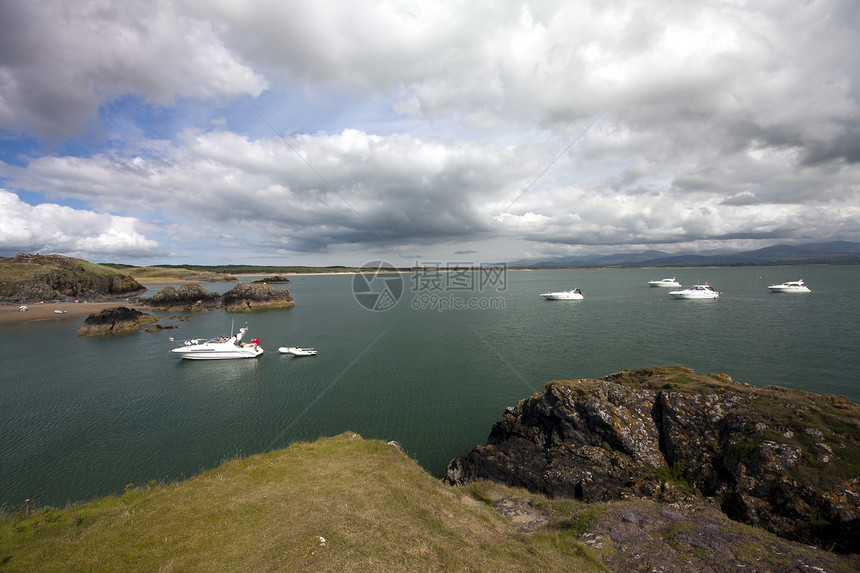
(313, 191)
(51, 228)
(60, 62)
(459, 126)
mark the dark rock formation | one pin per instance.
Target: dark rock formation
(785, 460)
(159, 328)
(274, 279)
(187, 297)
(119, 320)
(55, 277)
(244, 297)
(240, 298)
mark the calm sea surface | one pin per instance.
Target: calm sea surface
(83, 417)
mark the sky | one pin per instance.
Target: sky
(337, 132)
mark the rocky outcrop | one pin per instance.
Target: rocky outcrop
(55, 277)
(119, 320)
(187, 297)
(241, 298)
(786, 460)
(274, 279)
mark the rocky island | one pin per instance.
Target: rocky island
(119, 320)
(274, 279)
(784, 460)
(241, 298)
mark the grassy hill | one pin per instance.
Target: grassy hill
(214, 273)
(176, 274)
(47, 277)
(345, 504)
(339, 504)
(233, 269)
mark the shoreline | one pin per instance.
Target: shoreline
(9, 313)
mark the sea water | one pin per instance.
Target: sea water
(84, 417)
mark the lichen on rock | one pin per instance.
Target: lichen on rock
(782, 459)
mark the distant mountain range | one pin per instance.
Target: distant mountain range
(831, 253)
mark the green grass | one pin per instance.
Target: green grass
(14, 272)
(660, 378)
(376, 509)
(235, 269)
(162, 274)
(674, 474)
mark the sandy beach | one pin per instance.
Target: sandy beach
(9, 313)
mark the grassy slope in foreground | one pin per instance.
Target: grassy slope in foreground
(376, 509)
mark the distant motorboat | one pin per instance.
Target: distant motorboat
(574, 294)
(790, 286)
(696, 291)
(61, 311)
(297, 351)
(220, 348)
(665, 283)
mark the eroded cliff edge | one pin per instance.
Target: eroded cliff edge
(785, 460)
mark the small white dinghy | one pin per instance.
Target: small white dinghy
(297, 351)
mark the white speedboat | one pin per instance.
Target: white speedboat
(665, 283)
(696, 291)
(297, 351)
(790, 286)
(574, 294)
(220, 348)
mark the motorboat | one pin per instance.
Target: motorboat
(696, 291)
(297, 351)
(574, 294)
(790, 286)
(665, 283)
(220, 348)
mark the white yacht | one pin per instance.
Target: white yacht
(574, 294)
(665, 283)
(696, 291)
(220, 348)
(790, 286)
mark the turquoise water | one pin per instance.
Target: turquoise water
(83, 417)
